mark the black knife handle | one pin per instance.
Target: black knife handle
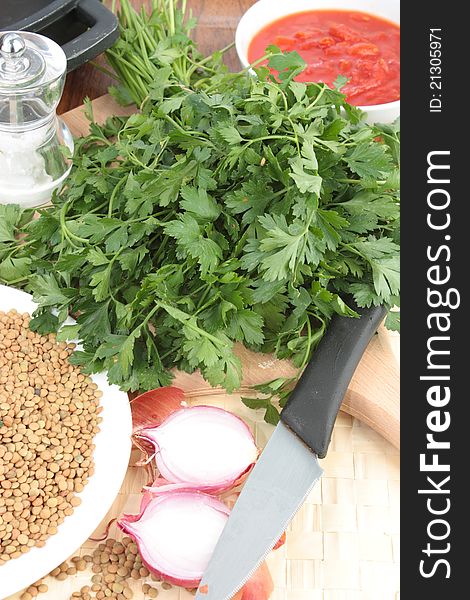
(314, 404)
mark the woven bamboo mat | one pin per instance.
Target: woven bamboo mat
(343, 544)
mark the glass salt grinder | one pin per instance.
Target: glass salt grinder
(34, 143)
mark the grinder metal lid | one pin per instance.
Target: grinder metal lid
(19, 65)
(29, 60)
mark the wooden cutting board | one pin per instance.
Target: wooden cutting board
(373, 395)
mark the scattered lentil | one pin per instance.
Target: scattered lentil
(111, 580)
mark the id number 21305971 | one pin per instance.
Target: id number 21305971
(435, 70)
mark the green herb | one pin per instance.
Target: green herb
(229, 209)
(149, 42)
(14, 263)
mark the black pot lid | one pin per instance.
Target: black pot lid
(27, 14)
(83, 28)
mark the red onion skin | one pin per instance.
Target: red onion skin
(162, 485)
(280, 542)
(152, 408)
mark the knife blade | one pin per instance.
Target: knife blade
(288, 467)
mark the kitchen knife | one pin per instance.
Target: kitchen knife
(288, 467)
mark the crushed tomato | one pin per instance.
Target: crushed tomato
(362, 47)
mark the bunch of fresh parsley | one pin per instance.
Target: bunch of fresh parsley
(244, 211)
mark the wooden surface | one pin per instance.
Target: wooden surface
(343, 544)
(217, 21)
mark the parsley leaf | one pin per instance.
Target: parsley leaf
(369, 160)
(227, 209)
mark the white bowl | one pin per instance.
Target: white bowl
(111, 457)
(264, 12)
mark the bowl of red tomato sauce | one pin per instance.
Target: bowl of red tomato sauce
(358, 39)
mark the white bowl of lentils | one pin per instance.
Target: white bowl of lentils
(65, 442)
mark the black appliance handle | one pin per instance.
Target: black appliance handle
(103, 30)
(36, 21)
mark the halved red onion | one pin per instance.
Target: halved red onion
(176, 534)
(202, 447)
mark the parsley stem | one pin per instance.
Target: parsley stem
(286, 108)
(319, 95)
(187, 132)
(98, 208)
(221, 51)
(257, 62)
(147, 318)
(203, 297)
(14, 281)
(242, 241)
(205, 334)
(172, 17)
(150, 338)
(282, 191)
(187, 323)
(197, 66)
(166, 354)
(357, 181)
(207, 304)
(354, 251)
(104, 70)
(269, 137)
(123, 61)
(21, 246)
(201, 287)
(66, 231)
(309, 343)
(95, 138)
(114, 193)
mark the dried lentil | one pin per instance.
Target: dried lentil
(39, 395)
(110, 580)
